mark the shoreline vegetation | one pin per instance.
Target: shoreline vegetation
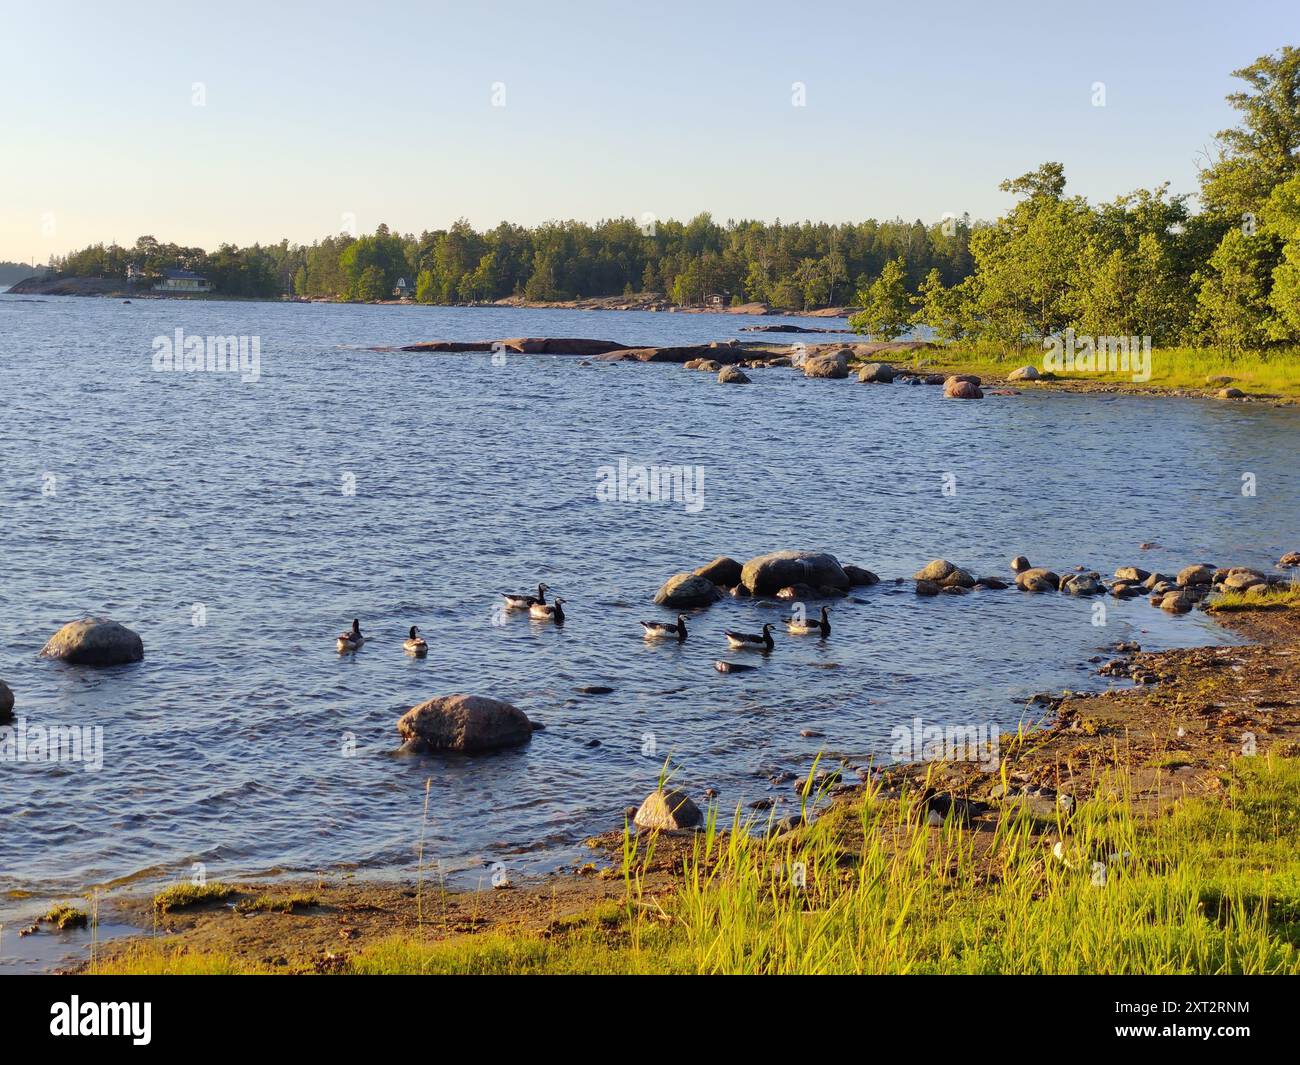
(1223, 277)
(1148, 829)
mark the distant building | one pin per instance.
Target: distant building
(718, 299)
(182, 281)
(134, 274)
(402, 290)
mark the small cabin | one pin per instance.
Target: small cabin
(182, 281)
(717, 299)
(402, 290)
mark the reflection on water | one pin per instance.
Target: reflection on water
(410, 489)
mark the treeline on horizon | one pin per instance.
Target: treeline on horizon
(1144, 264)
(789, 265)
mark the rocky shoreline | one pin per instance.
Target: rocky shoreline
(1172, 734)
(899, 362)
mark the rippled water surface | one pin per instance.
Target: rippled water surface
(229, 744)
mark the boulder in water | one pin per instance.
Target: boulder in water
(467, 723)
(722, 571)
(687, 590)
(94, 642)
(768, 574)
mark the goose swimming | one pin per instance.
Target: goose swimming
(752, 641)
(415, 644)
(525, 602)
(658, 630)
(806, 627)
(352, 639)
(548, 612)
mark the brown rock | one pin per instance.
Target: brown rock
(467, 723)
(957, 388)
(668, 811)
(94, 642)
(687, 590)
(722, 571)
(766, 574)
(1038, 579)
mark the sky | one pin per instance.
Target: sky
(241, 122)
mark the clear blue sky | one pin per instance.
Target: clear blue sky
(384, 111)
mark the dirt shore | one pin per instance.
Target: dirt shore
(1172, 735)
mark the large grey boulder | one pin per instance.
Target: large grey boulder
(468, 723)
(687, 590)
(94, 642)
(768, 574)
(732, 375)
(880, 373)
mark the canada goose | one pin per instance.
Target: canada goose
(415, 644)
(352, 639)
(524, 602)
(657, 630)
(751, 641)
(548, 612)
(806, 627)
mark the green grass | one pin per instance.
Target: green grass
(1283, 596)
(1276, 372)
(1210, 887)
(64, 916)
(179, 896)
(277, 903)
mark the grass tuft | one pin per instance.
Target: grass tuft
(179, 896)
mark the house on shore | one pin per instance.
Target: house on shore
(402, 290)
(182, 281)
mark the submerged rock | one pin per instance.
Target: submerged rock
(938, 570)
(733, 375)
(927, 588)
(960, 388)
(669, 811)
(1132, 573)
(767, 574)
(1038, 579)
(1291, 558)
(1083, 584)
(1019, 564)
(880, 373)
(468, 723)
(687, 590)
(94, 642)
(859, 577)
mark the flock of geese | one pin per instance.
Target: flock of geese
(539, 609)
